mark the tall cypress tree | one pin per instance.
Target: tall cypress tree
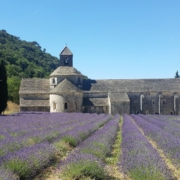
(3, 87)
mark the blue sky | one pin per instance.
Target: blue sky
(110, 39)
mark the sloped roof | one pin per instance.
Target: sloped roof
(28, 103)
(65, 86)
(95, 101)
(34, 85)
(65, 70)
(66, 51)
(116, 97)
(133, 85)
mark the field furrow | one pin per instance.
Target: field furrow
(167, 144)
(70, 146)
(139, 159)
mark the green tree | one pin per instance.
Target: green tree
(3, 87)
(13, 89)
(177, 75)
(24, 59)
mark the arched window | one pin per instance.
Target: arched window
(66, 61)
(153, 101)
(164, 101)
(65, 106)
(53, 81)
(76, 105)
(54, 106)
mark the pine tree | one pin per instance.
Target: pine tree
(3, 87)
(177, 75)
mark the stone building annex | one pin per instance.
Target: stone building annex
(67, 90)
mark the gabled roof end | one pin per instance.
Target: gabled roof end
(66, 51)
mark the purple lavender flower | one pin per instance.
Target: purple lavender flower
(169, 143)
(139, 158)
(96, 147)
(27, 161)
(6, 174)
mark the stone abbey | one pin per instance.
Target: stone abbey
(67, 90)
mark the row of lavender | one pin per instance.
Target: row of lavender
(139, 159)
(21, 131)
(169, 124)
(22, 124)
(26, 159)
(166, 136)
(88, 158)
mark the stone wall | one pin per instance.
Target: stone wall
(120, 107)
(150, 103)
(98, 107)
(95, 109)
(167, 104)
(154, 103)
(35, 108)
(62, 60)
(177, 106)
(76, 80)
(71, 102)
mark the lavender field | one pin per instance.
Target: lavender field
(89, 146)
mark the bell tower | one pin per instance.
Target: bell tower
(66, 57)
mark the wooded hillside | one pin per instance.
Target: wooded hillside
(23, 59)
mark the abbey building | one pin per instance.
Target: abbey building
(67, 90)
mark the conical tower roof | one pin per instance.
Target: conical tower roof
(65, 86)
(66, 51)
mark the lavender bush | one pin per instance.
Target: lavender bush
(169, 143)
(36, 128)
(168, 125)
(89, 155)
(139, 159)
(25, 143)
(5, 174)
(78, 134)
(27, 161)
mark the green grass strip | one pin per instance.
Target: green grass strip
(147, 174)
(115, 154)
(83, 170)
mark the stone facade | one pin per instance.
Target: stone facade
(66, 102)
(68, 91)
